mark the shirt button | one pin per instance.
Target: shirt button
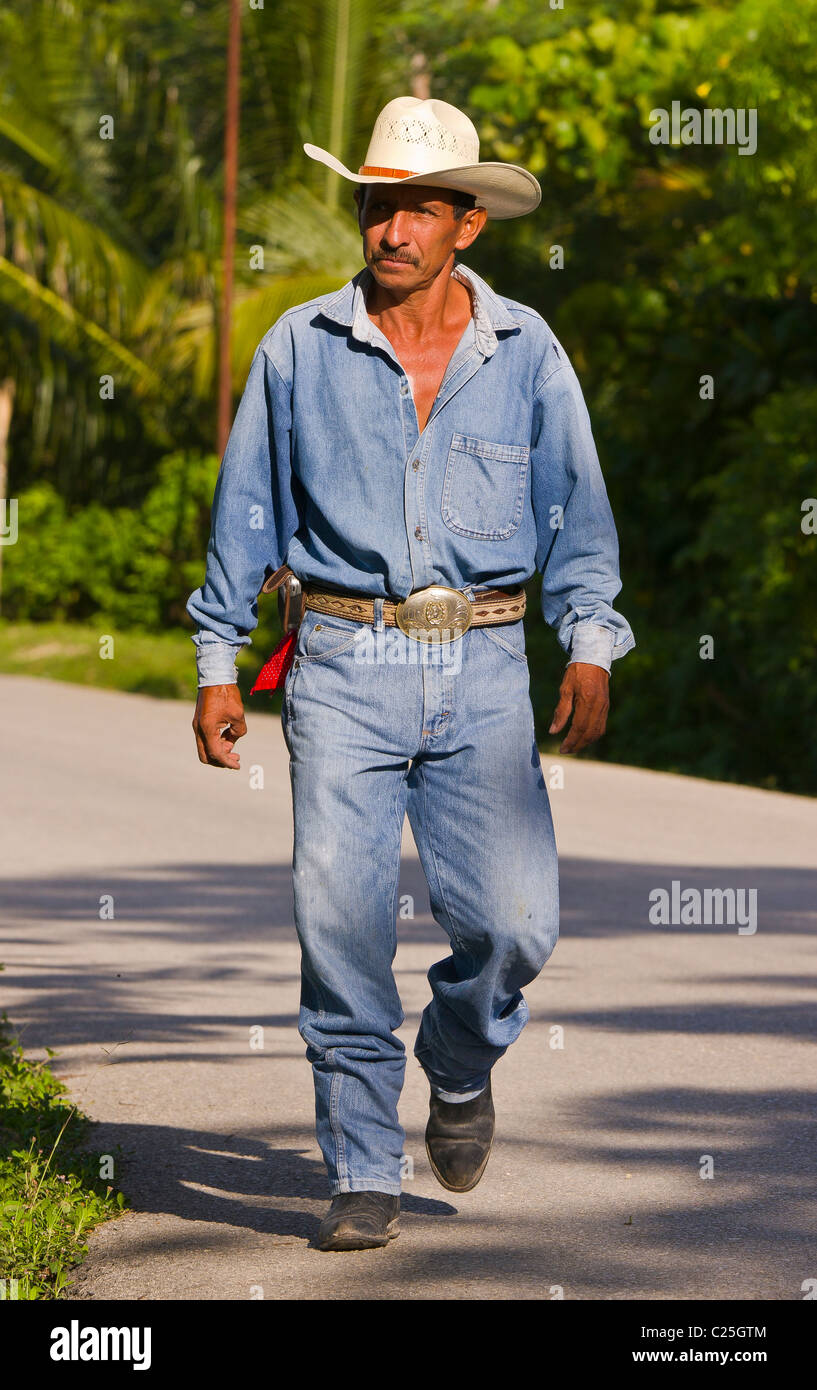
(415, 464)
(418, 533)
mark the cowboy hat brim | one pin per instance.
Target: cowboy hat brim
(504, 190)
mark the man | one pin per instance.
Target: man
(413, 447)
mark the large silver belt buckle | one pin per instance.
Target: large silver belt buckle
(435, 614)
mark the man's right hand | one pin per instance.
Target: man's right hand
(217, 723)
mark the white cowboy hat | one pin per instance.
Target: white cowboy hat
(414, 140)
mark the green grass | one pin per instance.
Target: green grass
(145, 663)
(51, 1194)
(162, 664)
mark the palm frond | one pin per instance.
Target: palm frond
(102, 275)
(64, 324)
(255, 313)
(342, 73)
(297, 232)
(191, 349)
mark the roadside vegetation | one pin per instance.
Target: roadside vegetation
(51, 1192)
(680, 278)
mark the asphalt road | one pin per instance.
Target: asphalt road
(679, 1041)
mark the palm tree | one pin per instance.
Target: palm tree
(110, 249)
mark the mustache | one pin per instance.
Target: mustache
(387, 256)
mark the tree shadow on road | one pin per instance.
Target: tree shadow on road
(230, 921)
(748, 1234)
(228, 925)
(229, 1178)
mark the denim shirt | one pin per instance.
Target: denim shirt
(326, 469)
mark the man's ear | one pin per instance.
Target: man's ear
(474, 221)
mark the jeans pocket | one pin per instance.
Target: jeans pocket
(328, 637)
(484, 487)
(510, 637)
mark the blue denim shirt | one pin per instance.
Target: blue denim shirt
(326, 468)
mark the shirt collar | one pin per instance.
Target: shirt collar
(348, 307)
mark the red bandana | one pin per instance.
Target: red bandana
(274, 671)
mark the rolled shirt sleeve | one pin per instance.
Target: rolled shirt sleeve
(253, 517)
(577, 544)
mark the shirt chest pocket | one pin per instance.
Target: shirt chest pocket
(484, 487)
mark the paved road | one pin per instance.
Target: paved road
(679, 1041)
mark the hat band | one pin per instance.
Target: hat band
(386, 173)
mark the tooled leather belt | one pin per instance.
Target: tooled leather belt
(433, 610)
(434, 613)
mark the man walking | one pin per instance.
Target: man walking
(413, 448)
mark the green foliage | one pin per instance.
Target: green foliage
(50, 1193)
(121, 571)
(680, 262)
(131, 567)
(110, 249)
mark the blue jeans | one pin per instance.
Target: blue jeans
(378, 726)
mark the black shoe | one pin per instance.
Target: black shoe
(360, 1221)
(459, 1139)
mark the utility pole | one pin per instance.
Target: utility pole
(228, 254)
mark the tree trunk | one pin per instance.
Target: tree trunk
(420, 77)
(232, 101)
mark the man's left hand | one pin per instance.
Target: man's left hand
(585, 691)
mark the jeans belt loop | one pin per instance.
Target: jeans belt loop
(379, 625)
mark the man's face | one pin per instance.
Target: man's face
(409, 231)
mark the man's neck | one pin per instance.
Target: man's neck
(436, 309)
